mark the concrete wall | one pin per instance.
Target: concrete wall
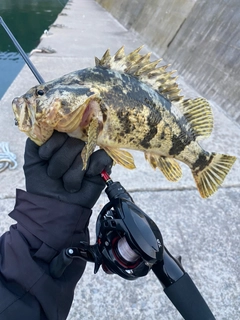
(201, 39)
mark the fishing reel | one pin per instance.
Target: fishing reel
(129, 244)
(128, 241)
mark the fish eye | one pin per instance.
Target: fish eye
(40, 92)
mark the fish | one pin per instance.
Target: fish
(127, 102)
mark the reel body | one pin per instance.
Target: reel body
(129, 241)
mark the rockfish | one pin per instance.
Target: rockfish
(127, 101)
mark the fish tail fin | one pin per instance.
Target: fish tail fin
(211, 176)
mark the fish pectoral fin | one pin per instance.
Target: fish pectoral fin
(121, 157)
(169, 167)
(213, 174)
(91, 144)
(198, 113)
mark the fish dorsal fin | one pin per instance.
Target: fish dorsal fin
(198, 113)
(141, 67)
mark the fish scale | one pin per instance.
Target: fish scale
(127, 102)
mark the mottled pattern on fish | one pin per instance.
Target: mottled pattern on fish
(126, 102)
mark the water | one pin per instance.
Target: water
(27, 20)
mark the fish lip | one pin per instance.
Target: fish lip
(16, 107)
(25, 118)
(21, 112)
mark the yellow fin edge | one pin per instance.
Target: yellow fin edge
(198, 113)
(212, 176)
(121, 157)
(168, 166)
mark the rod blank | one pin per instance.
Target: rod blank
(23, 54)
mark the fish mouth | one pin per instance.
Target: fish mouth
(21, 112)
(26, 121)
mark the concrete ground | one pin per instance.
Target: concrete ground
(206, 233)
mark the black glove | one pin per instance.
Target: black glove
(55, 170)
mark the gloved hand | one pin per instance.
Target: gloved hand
(55, 170)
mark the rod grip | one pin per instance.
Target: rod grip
(188, 300)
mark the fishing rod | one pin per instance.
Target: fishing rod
(130, 244)
(21, 51)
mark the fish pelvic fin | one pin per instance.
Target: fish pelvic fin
(121, 157)
(168, 166)
(198, 113)
(209, 178)
(141, 67)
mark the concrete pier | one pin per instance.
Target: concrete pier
(206, 233)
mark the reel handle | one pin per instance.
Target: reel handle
(60, 263)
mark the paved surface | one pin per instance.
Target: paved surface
(205, 232)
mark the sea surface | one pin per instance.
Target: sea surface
(27, 20)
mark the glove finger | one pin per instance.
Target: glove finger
(62, 160)
(53, 144)
(99, 161)
(91, 190)
(73, 177)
